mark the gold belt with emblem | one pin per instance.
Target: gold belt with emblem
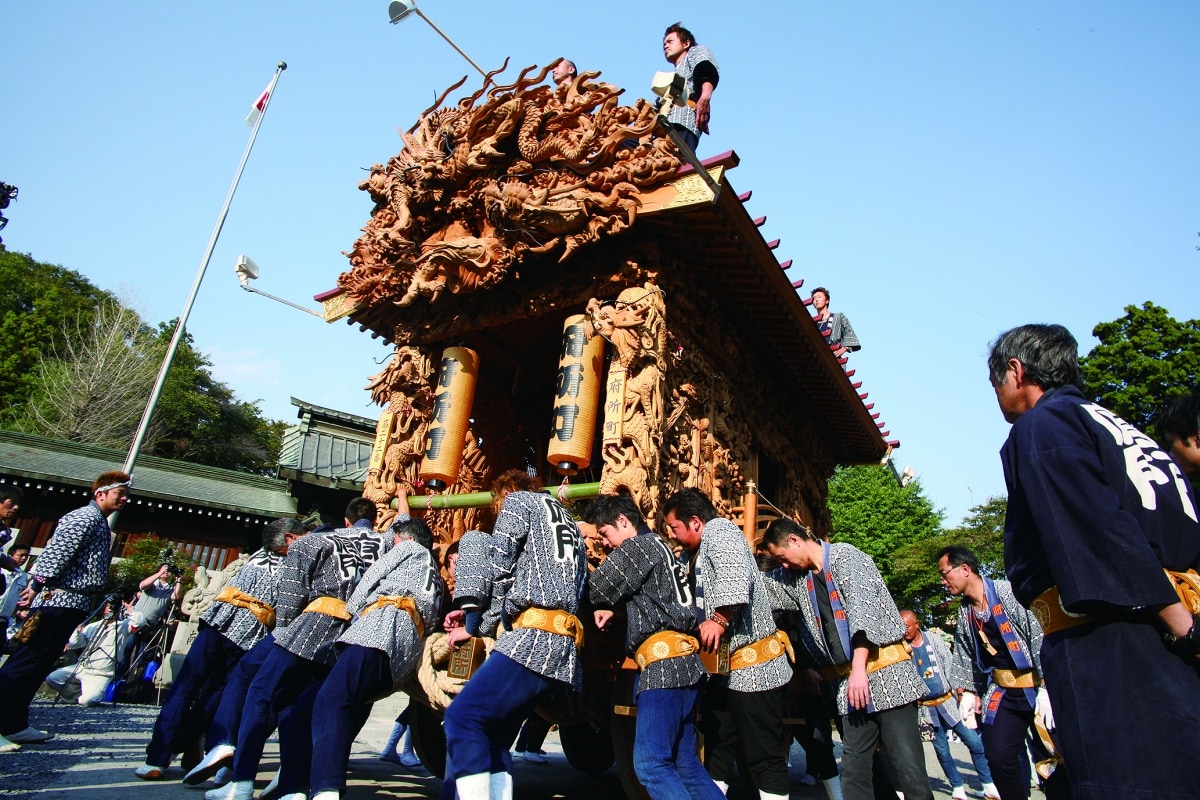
(665, 644)
(551, 620)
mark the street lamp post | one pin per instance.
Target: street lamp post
(399, 9)
(247, 271)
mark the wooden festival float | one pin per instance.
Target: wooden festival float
(566, 294)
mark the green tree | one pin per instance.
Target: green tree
(94, 388)
(871, 511)
(144, 557)
(917, 583)
(48, 316)
(35, 300)
(199, 419)
(1144, 359)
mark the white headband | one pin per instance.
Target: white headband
(127, 484)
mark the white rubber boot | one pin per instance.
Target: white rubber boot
(474, 787)
(502, 786)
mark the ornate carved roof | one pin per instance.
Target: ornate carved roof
(524, 179)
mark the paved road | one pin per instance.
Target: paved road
(96, 750)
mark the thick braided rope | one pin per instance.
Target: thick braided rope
(439, 687)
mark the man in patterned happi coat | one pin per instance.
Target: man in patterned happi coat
(538, 571)
(64, 586)
(645, 576)
(852, 629)
(996, 648)
(316, 578)
(1096, 512)
(395, 603)
(241, 615)
(939, 707)
(697, 66)
(733, 603)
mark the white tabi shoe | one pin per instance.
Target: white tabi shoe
(833, 788)
(723, 786)
(296, 796)
(219, 756)
(767, 796)
(326, 795)
(7, 746)
(224, 775)
(474, 787)
(990, 792)
(501, 785)
(271, 787)
(234, 790)
(959, 793)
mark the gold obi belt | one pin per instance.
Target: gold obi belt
(762, 651)
(937, 701)
(236, 597)
(878, 659)
(551, 620)
(1047, 607)
(401, 602)
(330, 607)
(1014, 678)
(665, 644)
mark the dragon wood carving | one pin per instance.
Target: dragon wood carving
(507, 173)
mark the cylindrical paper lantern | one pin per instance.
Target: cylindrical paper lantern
(451, 417)
(576, 399)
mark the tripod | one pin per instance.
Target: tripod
(96, 646)
(155, 651)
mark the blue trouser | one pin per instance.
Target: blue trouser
(228, 717)
(280, 680)
(664, 747)
(1004, 742)
(205, 669)
(484, 719)
(970, 738)
(23, 673)
(317, 731)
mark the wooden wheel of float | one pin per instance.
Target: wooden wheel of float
(428, 738)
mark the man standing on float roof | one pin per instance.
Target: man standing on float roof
(1096, 511)
(698, 67)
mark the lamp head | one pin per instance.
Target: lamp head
(246, 270)
(398, 10)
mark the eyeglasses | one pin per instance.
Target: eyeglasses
(947, 572)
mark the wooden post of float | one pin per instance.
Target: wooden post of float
(750, 513)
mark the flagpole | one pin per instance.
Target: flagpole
(180, 326)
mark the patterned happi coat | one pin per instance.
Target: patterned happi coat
(943, 715)
(322, 565)
(473, 580)
(407, 570)
(870, 610)
(971, 669)
(538, 560)
(644, 574)
(726, 574)
(259, 578)
(74, 564)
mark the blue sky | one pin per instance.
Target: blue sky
(947, 169)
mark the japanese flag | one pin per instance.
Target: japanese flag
(257, 109)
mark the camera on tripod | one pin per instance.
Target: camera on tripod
(166, 557)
